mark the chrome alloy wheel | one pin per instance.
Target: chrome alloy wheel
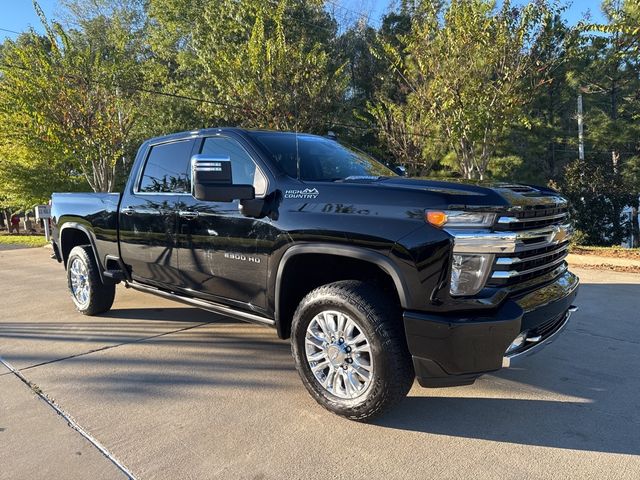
(339, 354)
(79, 281)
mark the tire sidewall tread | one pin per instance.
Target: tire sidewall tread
(380, 317)
(101, 296)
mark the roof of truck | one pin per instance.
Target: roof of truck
(214, 130)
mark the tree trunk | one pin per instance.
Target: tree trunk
(635, 228)
(7, 216)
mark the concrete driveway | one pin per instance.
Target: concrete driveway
(160, 390)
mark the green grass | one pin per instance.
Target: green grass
(23, 240)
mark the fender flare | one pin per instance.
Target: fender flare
(359, 253)
(92, 242)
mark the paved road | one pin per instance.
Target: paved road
(173, 392)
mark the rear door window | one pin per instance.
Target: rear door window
(167, 168)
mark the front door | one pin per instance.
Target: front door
(148, 215)
(222, 254)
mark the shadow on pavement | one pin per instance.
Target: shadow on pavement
(578, 426)
(179, 314)
(593, 365)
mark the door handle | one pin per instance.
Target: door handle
(188, 215)
(128, 210)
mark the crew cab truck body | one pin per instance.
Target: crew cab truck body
(376, 278)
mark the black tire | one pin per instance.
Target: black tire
(379, 319)
(100, 296)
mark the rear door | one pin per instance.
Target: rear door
(148, 215)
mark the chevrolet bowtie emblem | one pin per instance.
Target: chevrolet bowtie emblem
(558, 235)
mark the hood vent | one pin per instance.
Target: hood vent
(518, 188)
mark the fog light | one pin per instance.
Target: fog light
(517, 342)
(469, 273)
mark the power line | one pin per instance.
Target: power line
(11, 31)
(356, 15)
(359, 14)
(328, 123)
(138, 89)
(191, 98)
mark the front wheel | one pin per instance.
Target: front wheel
(89, 294)
(350, 349)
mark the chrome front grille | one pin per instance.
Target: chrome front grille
(523, 244)
(543, 234)
(522, 266)
(532, 218)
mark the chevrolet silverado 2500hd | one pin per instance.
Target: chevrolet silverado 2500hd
(377, 279)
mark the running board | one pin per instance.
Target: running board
(204, 305)
(115, 275)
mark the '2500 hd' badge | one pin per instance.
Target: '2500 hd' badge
(306, 193)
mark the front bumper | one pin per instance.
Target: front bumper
(511, 359)
(455, 350)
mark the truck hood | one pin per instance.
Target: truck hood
(474, 195)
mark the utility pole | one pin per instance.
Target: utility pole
(580, 133)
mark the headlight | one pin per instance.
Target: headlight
(458, 218)
(469, 273)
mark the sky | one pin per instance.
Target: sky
(19, 15)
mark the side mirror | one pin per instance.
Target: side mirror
(400, 170)
(212, 180)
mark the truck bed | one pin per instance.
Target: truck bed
(97, 213)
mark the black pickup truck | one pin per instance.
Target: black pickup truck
(377, 279)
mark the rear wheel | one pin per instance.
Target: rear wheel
(350, 350)
(89, 294)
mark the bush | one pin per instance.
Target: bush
(579, 238)
(598, 195)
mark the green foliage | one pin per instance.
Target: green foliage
(579, 238)
(598, 194)
(255, 59)
(60, 105)
(464, 68)
(505, 168)
(472, 89)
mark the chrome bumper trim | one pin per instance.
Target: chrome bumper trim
(503, 220)
(484, 241)
(501, 274)
(510, 360)
(506, 261)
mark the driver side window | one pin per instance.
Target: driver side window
(243, 168)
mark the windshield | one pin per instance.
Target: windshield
(321, 159)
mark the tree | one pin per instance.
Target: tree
(402, 131)
(465, 69)
(66, 97)
(598, 194)
(608, 74)
(254, 63)
(549, 141)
